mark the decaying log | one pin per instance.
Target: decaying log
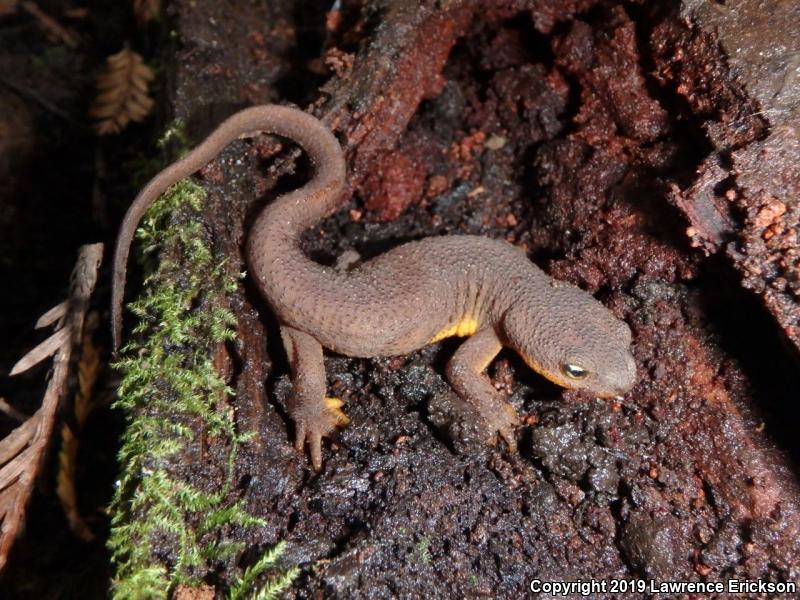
(587, 133)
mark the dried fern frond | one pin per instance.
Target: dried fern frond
(146, 10)
(122, 93)
(22, 451)
(88, 369)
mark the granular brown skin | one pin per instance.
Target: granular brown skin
(402, 300)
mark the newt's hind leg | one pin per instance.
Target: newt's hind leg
(313, 414)
(465, 374)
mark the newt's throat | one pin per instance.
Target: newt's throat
(464, 327)
(553, 377)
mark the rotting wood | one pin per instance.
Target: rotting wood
(684, 419)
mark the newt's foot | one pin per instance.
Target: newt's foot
(312, 427)
(504, 421)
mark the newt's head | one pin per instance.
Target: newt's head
(572, 339)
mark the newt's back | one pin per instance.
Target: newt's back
(405, 298)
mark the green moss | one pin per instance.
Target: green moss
(175, 132)
(244, 587)
(421, 550)
(172, 142)
(170, 389)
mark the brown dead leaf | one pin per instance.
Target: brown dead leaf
(122, 93)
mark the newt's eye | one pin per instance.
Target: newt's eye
(574, 371)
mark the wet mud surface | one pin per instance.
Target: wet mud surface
(616, 144)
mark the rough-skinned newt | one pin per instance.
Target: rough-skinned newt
(416, 294)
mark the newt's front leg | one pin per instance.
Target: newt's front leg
(314, 414)
(465, 374)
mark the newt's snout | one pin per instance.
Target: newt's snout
(621, 379)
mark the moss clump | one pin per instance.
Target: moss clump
(170, 389)
(244, 587)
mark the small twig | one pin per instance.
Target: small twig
(22, 451)
(12, 412)
(50, 25)
(44, 350)
(52, 315)
(27, 94)
(76, 13)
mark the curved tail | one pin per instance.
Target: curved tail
(309, 132)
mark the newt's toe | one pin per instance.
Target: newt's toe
(322, 422)
(299, 435)
(504, 423)
(315, 449)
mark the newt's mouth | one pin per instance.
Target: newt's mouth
(552, 376)
(571, 384)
